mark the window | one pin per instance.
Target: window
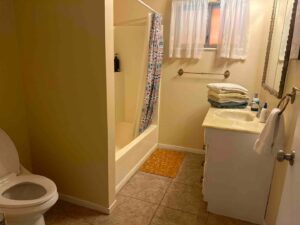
(213, 24)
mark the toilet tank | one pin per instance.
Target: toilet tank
(9, 157)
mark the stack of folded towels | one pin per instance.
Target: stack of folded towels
(227, 95)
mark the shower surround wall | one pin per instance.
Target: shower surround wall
(131, 44)
(130, 82)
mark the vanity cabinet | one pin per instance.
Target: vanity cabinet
(236, 179)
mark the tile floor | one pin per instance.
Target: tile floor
(150, 200)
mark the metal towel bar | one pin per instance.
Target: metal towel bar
(288, 98)
(226, 74)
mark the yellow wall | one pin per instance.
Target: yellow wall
(63, 55)
(184, 100)
(12, 115)
(290, 116)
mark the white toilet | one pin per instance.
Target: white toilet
(24, 197)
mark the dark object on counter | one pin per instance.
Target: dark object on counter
(117, 63)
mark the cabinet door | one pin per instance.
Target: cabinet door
(237, 179)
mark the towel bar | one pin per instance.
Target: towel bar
(288, 98)
(226, 74)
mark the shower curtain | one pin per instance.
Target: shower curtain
(153, 72)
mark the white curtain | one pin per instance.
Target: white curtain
(234, 29)
(188, 28)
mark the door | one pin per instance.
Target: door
(289, 210)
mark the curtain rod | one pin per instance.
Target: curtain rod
(147, 6)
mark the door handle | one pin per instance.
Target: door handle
(281, 156)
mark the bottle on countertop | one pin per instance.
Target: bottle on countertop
(264, 114)
(117, 63)
(255, 103)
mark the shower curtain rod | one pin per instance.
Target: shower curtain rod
(147, 6)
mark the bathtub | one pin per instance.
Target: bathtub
(130, 157)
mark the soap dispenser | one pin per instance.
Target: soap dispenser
(264, 114)
(255, 103)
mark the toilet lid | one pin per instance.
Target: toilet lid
(9, 158)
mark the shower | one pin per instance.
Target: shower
(138, 43)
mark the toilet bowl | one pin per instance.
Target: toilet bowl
(24, 198)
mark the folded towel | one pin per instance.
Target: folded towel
(228, 95)
(228, 105)
(226, 100)
(271, 139)
(227, 88)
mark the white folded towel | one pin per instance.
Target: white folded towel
(227, 88)
(238, 96)
(271, 139)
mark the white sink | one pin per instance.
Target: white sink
(233, 119)
(237, 115)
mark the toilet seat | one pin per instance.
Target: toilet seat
(13, 180)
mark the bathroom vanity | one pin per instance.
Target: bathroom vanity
(236, 179)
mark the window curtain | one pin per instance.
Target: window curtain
(188, 28)
(234, 29)
(153, 72)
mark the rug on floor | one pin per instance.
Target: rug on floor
(163, 163)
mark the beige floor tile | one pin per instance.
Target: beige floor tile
(184, 197)
(222, 220)
(167, 216)
(146, 187)
(192, 158)
(191, 170)
(189, 174)
(128, 211)
(64, 213)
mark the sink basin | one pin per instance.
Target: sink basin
(236, 115)
(241, 120)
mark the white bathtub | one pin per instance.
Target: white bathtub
(132, 156)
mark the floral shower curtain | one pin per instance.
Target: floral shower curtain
(153, 72)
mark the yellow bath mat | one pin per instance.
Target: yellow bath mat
(164, 163)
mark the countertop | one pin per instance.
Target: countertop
(213, 120)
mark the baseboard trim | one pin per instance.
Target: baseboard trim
(87, 204)
(180, 148)
(135, 169)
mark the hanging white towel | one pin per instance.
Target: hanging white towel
(271, 139)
